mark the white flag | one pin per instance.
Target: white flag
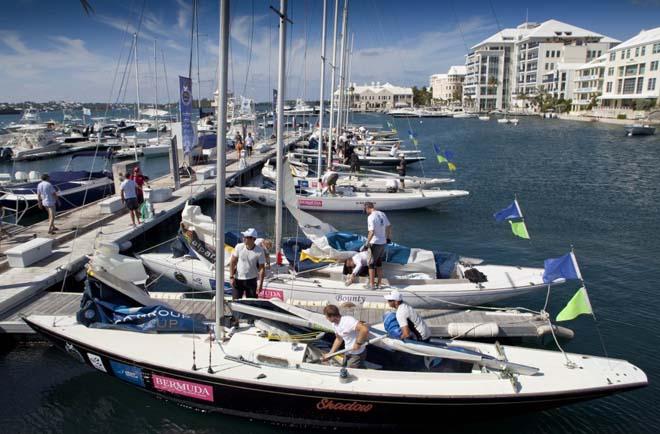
(87, 112)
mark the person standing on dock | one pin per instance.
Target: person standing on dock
(401, 170)
(140, 181)
(47, 198)
(247, 263)
(249, 144)
(349, 331)
(412, 325)
(129, 198)
(380, 232)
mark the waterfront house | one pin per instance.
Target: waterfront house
(377, 96)
(448, 87)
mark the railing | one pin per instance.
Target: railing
(16, 214)
(588, 77)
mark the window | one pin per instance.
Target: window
(629, 85)
(547, 53)
(643, 50)
(610, 71)
(612, 57)
(619, 84)
(628, 53)
(651, 85)
(623, 54)
(656, 48)
(636, 51)
(631, 70)
(654, 65)
(642, 68)
(640, 85)
(620, 71)
(600, 53)
(609, 86)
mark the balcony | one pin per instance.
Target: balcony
(588, 77)
(586, 90)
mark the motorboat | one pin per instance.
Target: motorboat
(30, 119)
(300, 109)
(639, 130)
(507, 120)
(404, 112)
(484, 118)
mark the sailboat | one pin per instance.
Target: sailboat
(270, 370)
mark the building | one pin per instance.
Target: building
(376, 97)
(559, 82)
(508, 68)
(632, 72)
(448, 87)
(588, 84)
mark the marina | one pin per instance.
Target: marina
(465, 256)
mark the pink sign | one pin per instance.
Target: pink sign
(271, 293)
(184, 388)
(310, 202)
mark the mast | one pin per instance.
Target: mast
(348, 78)
(221, 146)
(342, 75)
(280, 130)
(332, 83)
(137, 74)
(156, 90)
(321, 105)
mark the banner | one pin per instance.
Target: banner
(274, 111)
(185, 108)
(87, 112)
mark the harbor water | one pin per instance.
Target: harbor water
(580, 185)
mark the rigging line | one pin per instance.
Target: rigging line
(249, 61)
(167, 86)
(199, 80)
(192, 37)
(121, 54)
(458, 24)
(123, 78)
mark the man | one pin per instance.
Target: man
(380, 232)
(47, 198)
(329, 180)
(267, 245)
(351, 332)
(140, 181)
(249, 143)
(394, 149)
(401, 170)
(355, 162)
(411, 323)
(129, 198)
(247, 263)
(356, 266)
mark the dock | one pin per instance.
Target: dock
(81, 228)
(446, 323)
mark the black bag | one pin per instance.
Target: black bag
(475, 276)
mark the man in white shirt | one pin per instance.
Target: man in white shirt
(129, 198)
(411, 323)
(351, 332)
(47, 198)
(267, 245)
(380, 233)
(247, 263)
(394, 150)
(249, 144)
(353, 267)
(329, 180)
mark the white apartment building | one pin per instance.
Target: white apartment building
(560, 81)
(510, 66)
(632, 71)
(588, 84)
(377, 96)
(448, 87)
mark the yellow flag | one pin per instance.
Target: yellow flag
(304, 255)
(451, 166)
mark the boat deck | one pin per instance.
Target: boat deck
(510, 324)
(81, 227)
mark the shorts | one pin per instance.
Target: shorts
(376, 255)
(132, 203)
(244, 288)
(332, 179)
(356, 360)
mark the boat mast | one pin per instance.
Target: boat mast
(156, 90)
(332, 83)
(137, 74)
(348, 78)
(321, 105)
(280, 130)
(221, 146)
(342, 66)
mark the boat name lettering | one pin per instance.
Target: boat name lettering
(272, 293)
(184, 388)
(352, 298)
(310, 202)
(329, 404)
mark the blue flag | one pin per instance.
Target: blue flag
(185, 107)
(437, 149)
(449, 155)
(510, 212)
(564, 267)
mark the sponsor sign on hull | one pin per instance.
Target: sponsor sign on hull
(310, 202)
(96, 362)
(271, 293)
(131, 374)
(183, 388)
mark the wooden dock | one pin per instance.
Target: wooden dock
(510, 324)
(82, 227)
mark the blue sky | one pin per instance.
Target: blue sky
(50, 50)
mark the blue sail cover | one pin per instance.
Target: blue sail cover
(104, 307)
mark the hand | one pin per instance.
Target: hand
(356, 346)
(324, 357)
(232, 281)
(259, 289)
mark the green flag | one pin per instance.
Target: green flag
(578, 305)
(519, 229)
(441, 159)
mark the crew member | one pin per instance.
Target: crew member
(246, 265)
(356, 266)
(412, 325)
(351, 332)
(380, 233)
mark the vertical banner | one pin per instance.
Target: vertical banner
(274, 111)
(185, 107)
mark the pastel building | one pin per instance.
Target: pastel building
(377, 96)
(448, 87)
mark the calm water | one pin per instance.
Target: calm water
(579, 184)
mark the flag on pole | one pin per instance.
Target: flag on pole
(87, 112)
(415, 142)
(449, 155)
(564, 267)
(519, 229)
(451, 166)
(578, 305)
(510, 212)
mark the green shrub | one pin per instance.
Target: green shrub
(621, 116)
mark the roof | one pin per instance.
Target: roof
(378, 88)
(598, 61)
(559, 29)
(503, 36)
(644, 37)
(457, 70)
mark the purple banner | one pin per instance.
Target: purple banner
(185, 108)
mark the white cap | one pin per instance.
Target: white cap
(394, 296)
(361, 129)
(250, 232)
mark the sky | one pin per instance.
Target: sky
(52, 50)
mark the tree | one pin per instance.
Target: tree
(421, 97)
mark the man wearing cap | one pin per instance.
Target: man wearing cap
(351, 332)
(411, 323)
(380, 232)
(353, 267)
(247, 263)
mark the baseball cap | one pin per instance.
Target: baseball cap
(393, 296)
(250, 232)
